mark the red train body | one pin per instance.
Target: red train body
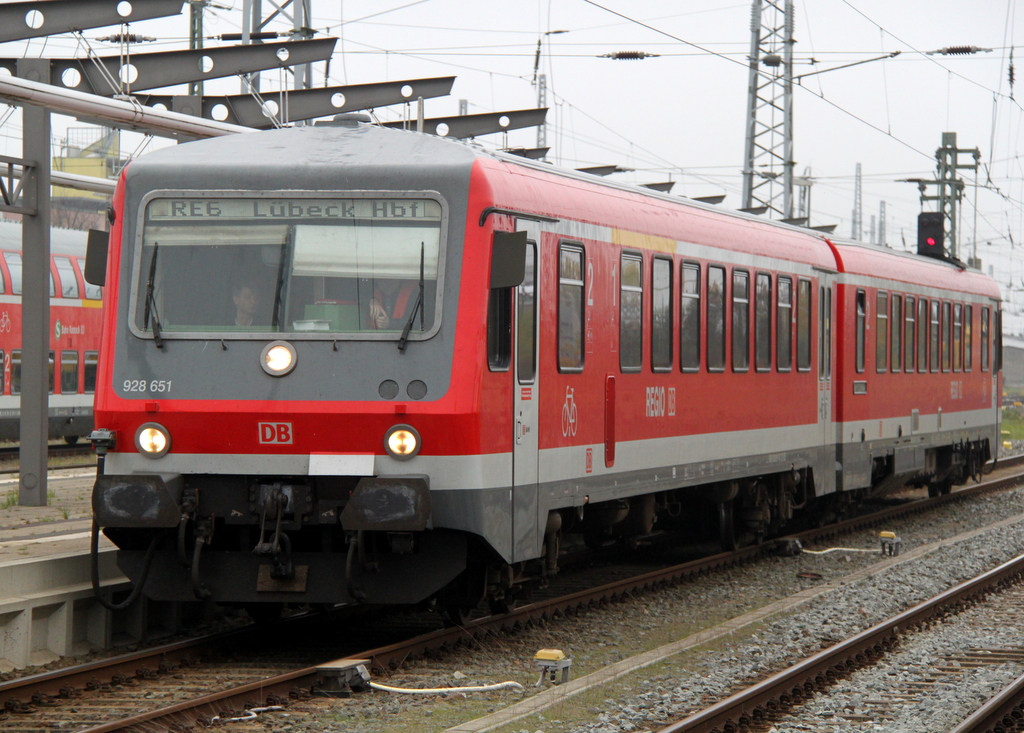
(581, 357)
(75, 322)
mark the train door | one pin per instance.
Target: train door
(826, 352)
(525, 453)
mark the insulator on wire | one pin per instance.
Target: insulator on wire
(126, 38)
(959, 51)
(628, 55)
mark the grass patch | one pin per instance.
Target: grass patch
(1013, 423)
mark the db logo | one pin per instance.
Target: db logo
(275, 432)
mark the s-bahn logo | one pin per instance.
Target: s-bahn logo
(276, 432)
(60, 329)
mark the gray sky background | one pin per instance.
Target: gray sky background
(681, 115)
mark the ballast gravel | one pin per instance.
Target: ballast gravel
(651, 697)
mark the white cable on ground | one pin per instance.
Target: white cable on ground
(436, 690)
(838, 549)
(249, 714)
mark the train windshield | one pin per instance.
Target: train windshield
(241, 267)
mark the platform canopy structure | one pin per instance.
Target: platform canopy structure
(116, 91)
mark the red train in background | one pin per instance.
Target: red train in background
(75, 322)
(559, 354)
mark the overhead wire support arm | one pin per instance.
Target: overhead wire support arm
(891, 55)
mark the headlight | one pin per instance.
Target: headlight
(278, 358)
(152, 440)
(402, 442)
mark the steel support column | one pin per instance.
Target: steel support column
(35, 298)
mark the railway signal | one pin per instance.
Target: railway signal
(931, 234)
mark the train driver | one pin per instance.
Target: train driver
(392, 300)
(246, 303)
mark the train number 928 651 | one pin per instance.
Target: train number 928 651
(153, 385)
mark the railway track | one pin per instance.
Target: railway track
(9, 455)
(122, 686)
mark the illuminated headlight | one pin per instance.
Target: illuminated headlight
(278, 358)
(402, 442)
(152, 440)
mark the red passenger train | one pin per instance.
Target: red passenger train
(376, 366)
(75, 322)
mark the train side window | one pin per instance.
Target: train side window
(526, 318)
(763, 322)
(68, 372)
(897, 332)
(14, 267)
(631, 296)
(52, 371)
(862, 305)
(881, 331)
(968, 337)
(821, 331)
(15, 371)
(908, 339)
(499, 329)
(740, 320)
(570, 307)
(933, 337)
(803, 325)
(922, 335)
(689, 319)
(661, 315)
(828, 332)
(1, 371)
(68, 280)
(716, 318)
(946, 341)
(92, 292)
(958, 340)
(92, 359)
(997, 344)
(984, 339)
(784, 326)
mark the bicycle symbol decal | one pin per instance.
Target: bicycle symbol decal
(5, 323)
(569, 413)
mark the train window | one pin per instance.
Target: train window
(922, 335)
(861, 318)
(968, 337)
(740, 321)
(784, 326)
(52, 372)
(828, 332)
(958, 341)
(946, 341)
(14, 267)
(363, 266)
(92, 359)
(570, 308)
(897, 331)
(526, 341)
(1, 371)
(997, 347)
(763, 322)
(803, 325)
(716, 318)
(661, 314)
(689, 319)
(15, 370)
(631, 294)
(68, 372)
(821, 331)
(984, 339)
(933, 337)
(499, 329)
(68, 281)
(908, 336)
(881, 331)
(92, 292)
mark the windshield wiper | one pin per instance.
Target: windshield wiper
(151, 301)
(418, 306)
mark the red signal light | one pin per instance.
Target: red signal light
(930, 241)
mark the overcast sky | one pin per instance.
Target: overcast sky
(681, 115)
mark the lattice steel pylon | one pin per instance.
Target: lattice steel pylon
(768, 152)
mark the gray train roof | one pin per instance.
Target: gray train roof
(62, 241)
